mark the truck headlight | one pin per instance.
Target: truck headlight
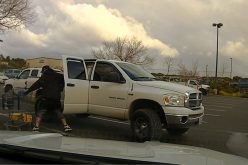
(186, 97)
(174, 99)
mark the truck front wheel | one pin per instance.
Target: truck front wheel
(146, 125)
(177, 131)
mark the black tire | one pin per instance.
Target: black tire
(146, 125)
(177, 131)
(204, 92)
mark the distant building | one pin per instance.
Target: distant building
(4, 63)
(41, 61)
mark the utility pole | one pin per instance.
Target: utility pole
(231, 69)
(206, 70)
(217, 51)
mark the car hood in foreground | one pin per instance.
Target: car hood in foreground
(151, 152)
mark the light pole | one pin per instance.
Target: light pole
(206, 70)
(217, 25)
(231, 69)
(1, 41)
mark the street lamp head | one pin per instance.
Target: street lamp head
(218, 25)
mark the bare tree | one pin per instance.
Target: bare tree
(169, 62)
(123, 49)
(182, 69)
(194, 69)
(14, 13)
(188, 72)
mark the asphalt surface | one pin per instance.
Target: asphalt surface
(224, 127)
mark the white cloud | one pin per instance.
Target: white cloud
(73, 28)
(25, 38)
(110, 23)
(166, 26)
(238, 49)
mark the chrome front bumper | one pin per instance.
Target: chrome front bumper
(183, 121)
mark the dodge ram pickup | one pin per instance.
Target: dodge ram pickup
(125, 91)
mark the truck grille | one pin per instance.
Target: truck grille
(194, 101)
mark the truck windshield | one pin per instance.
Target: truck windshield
(135, 72)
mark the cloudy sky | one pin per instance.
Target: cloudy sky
(177, 28)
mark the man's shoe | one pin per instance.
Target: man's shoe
(36, 129)
(67, 128)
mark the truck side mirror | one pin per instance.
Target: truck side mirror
(122, 80)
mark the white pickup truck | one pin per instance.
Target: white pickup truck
(195, 84)
(125, 91)
(25, 79)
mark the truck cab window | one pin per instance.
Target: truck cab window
(106, 72)
(192, 83)
(34, 73)
(24, 74)
(76, 70)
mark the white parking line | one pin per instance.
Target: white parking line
(120, 122)
(216, 103)
(219, 106)
(208, 114)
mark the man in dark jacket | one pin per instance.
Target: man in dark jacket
(52, 84)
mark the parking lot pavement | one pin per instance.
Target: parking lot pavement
(226, 114)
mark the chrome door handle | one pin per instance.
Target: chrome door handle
(70, 85)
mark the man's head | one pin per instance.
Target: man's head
(45, 68)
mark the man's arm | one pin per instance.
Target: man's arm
(36, 85)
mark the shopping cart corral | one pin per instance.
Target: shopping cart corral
(18, 119)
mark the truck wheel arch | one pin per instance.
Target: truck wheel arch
(147, 104)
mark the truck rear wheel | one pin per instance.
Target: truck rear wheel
(177, 131)
(146, 125)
